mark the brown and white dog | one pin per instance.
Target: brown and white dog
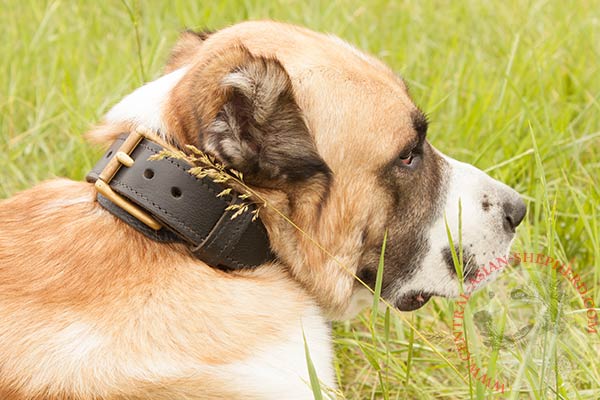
(92, 309)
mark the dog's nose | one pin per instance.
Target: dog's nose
(514, 212)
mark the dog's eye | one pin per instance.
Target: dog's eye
(407, 159)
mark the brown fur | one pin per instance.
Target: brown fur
(185, 49)
(84, 263)
(67, 268)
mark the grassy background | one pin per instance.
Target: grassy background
(511, 86)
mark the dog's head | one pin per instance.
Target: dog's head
(332, 139)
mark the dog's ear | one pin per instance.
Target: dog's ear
(185, 49)
(260, 130)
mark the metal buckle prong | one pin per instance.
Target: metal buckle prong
(122, 158)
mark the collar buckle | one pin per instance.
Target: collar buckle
(120, 159)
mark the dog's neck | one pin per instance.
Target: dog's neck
(161, 198)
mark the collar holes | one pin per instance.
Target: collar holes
(176, 192)
(148, 173)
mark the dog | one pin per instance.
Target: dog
(91, 307)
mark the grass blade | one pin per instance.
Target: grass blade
(378, 282)
(315, 384)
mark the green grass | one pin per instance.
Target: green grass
(512, 87)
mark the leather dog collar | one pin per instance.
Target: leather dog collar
(161, 199)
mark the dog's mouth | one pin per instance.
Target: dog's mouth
(413, 300)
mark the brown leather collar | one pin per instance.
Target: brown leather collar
(161, 199)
